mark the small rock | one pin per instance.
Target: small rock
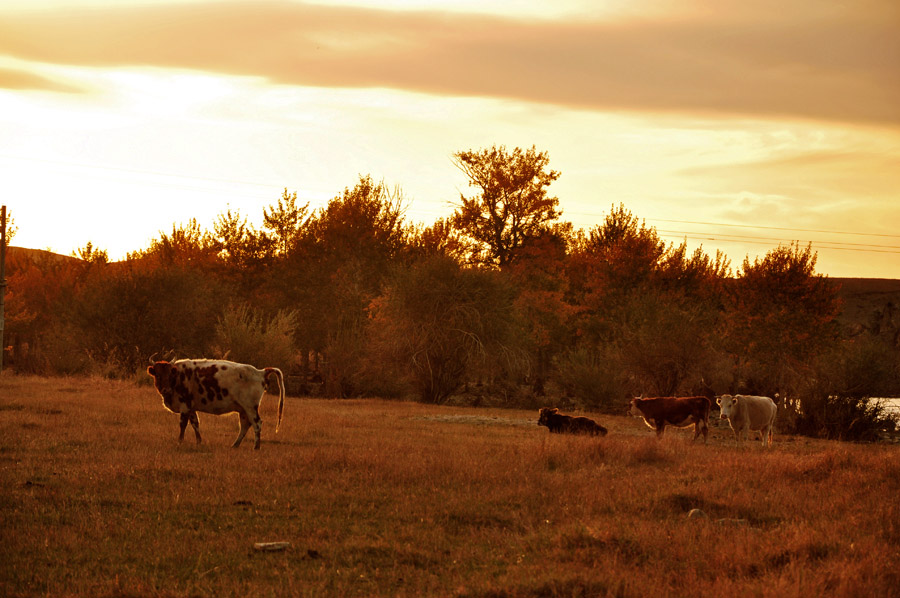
(697, 514)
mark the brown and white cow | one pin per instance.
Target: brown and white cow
(660, 412)
(745, 412)
(189, 386)
(558, 423)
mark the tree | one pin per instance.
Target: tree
(247, 335)
(512, 205)
(285, 221)
(438, 239)
(187, 244)
(239, 244)
(11, 228)
(91, 254)
(646, 302)
(437, 323)
(781, 314)
(614, 263)
(541, 288)
(336, 268)
(121, 316)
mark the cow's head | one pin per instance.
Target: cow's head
(727, 404)
(544, 415)
(163, 374)
(159, 370)
(633, 407)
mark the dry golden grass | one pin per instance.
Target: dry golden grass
(402, 499)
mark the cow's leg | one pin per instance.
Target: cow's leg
(256, 421)
(660, 428)
(183, 424)
(195, 423)
(705, 430)
(245, 425)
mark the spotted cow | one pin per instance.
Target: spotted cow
(673, 411)
(558, 423)
(191, 386)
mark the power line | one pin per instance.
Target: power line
(751, 226)
(762, 242)
(805, 230)
(680, 232)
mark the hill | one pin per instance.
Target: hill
(18, 257)
(870, 304)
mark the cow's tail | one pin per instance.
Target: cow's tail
(279, 377)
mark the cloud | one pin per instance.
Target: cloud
(24, 80)
(800, 61)
(811, 176)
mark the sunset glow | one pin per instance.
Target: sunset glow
(733, 125)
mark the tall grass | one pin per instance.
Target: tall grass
(386, 498)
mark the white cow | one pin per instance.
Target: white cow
(746, 413)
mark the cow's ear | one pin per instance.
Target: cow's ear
(719, 401)
(554, 410)
(151, 372)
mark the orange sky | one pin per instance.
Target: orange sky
(739, 125)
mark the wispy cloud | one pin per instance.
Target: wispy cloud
(810, 59)
(26, 80)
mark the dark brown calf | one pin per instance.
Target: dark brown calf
(566, 424)
(674, 411)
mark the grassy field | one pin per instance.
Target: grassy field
(385, 498)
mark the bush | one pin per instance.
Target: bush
(844, 418)
(593, 378)
(247, 336)
(442, 325)
(839, 399)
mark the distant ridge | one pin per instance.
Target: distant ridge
(18, 256)
(871, 304)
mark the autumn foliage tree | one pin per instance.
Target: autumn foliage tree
(335, 270)
(285, 222)
(781, 314)
(512, 204)
(439, 323)
(647, 312)
(541, 287)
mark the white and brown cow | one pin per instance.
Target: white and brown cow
(745, 412)
(189, 386)
(660, 412)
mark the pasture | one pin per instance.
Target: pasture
(382, 498)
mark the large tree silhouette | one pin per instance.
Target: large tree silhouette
(512, 204)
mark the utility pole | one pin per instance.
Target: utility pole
(2, 277)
